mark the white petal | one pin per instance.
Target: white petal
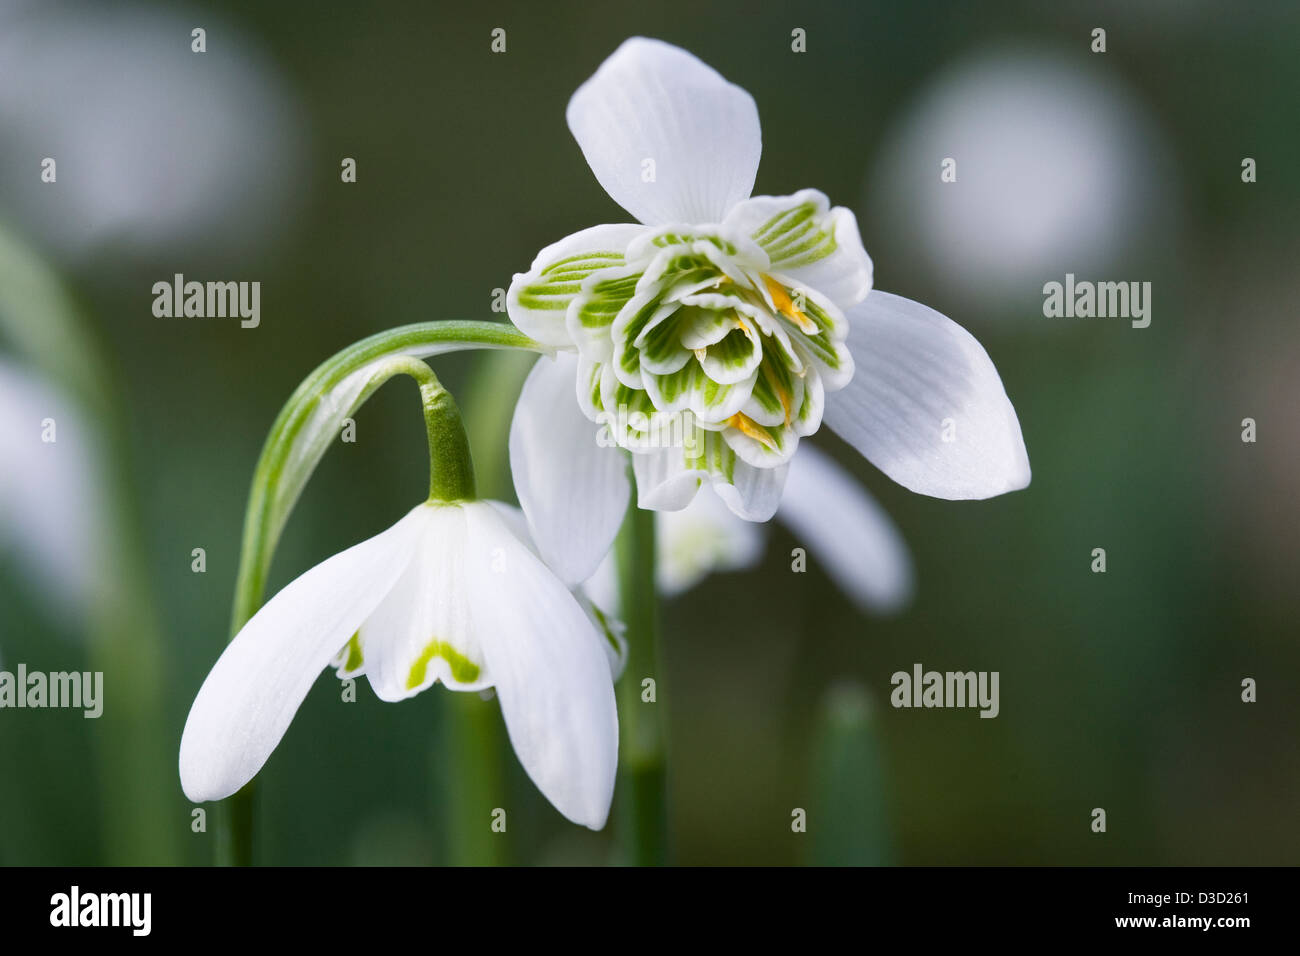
(422, 631)
(846, 532)
(668, 478)
(602, 587)
(654, 102)
(701, 539)
(552, 674)
(664, 480)
(538, 300)
(820, 247)
(921, 379)
(754, 492)
(573, 490)
(248, 700)
(601, 612)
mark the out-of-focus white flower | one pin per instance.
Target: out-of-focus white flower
(153, 143)
(1057, 168)
(843, 529)
(51, 527)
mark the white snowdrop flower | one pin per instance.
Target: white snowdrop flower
(449, 594)
(718, 330)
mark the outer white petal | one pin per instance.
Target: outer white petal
(846, 532)
(573, 490)
(701, 539)
(552, 675)
(248, 700)
(653, 101)
(602, 614)
(538, 300)
(919, 378)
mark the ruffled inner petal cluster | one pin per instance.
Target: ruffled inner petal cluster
(692, 330)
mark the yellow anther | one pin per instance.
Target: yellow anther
(785, 305)
(748, 426)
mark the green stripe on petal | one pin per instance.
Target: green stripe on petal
(661, 347)
(711, 454)
(538, 300)
(463, 670)
(826, 346)
(735, 358)
(810, 402)
(800, 235)
(349, 661)
(557, 284)
(593, 310)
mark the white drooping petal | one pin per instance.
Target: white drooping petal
(51, 510)
(807, 239)
(753, 493)
(573, 489)
(926, 406)
(668, 478)
(538, 300)
(846, 532)
(249, 698)
(551, 672)
(666, 135)
(701, 539)
(423, 631)
(664, 479)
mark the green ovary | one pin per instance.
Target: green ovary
(463, 670)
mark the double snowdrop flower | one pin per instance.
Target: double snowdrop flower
(453, 593)
(712, 335)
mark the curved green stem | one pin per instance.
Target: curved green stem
(307, 424)
(302, 432)
(642, 790)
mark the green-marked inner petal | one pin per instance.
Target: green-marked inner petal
(559, 282)
(798, 236)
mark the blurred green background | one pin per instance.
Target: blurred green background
(1118, 690)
